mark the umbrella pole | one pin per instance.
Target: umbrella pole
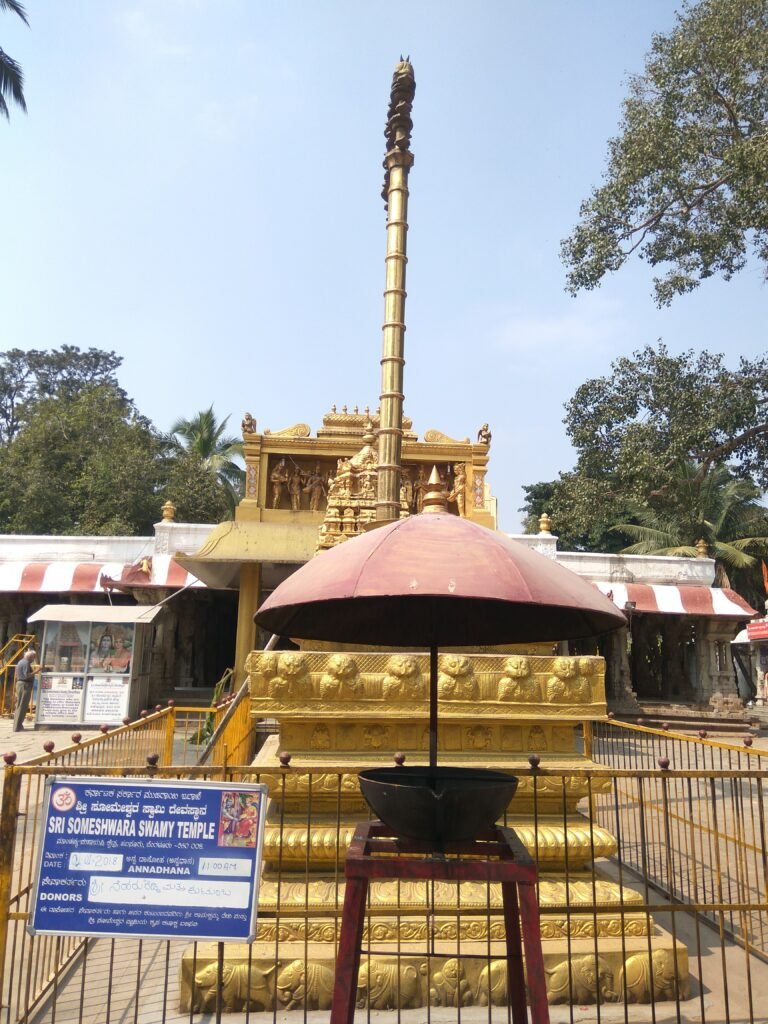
(433, 706)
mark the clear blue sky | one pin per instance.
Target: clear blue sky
(196, 186)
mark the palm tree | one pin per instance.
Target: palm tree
(11, 77)
(711, 505)
(203, 437)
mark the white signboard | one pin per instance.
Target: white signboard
(160, 858)
(59, 698)
(106, 699)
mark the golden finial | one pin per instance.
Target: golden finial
(368, 435)
(169, 512)
(399, 124)
(435, 499)
(702, 548)
(545, 523)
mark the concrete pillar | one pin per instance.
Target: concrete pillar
(250, 594)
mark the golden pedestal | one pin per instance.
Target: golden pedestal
(357, 709)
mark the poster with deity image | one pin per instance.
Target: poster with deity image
(65, 646)
(111, 648)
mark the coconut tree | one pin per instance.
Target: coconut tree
(203, 437)
(11, 77)
(704, 504)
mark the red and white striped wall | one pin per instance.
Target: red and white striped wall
(85, 577)
(669, 600)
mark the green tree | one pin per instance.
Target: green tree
(195, 490)
(11, 76)
(685, 186)
(28, 376)
(633, 428)
(583, 509)
(711, 505)
(204, 436)
(86, 463)
(655, 410)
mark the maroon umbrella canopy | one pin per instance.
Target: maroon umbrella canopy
(435, 580)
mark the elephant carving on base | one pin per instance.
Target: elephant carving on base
(311, 988)
(666, 974)
(379, 987)
(243, 986)
(579, 980)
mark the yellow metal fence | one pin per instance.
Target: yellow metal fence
(643, 895)
(10, 653)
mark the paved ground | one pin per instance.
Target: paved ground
(29, 743)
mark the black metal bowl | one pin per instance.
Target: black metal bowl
(438, 805)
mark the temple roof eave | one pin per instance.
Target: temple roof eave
(232, 544)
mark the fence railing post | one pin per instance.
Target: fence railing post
(587, 726)
(9, 816)
(170, 732)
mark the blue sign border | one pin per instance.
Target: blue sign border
(148, 842)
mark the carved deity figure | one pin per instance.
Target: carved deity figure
(459, 491)
(278, 478)
(479, 737)
(375, 736)
(484, 435)
(403, 679)
(517, 684)
(295, 486)
(315, 488)
(248, 426)
(456, 680)
(420, 488)
(340, 485)
(407, 489)
(320, 738)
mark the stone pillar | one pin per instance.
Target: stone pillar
(183, 675)
(716, 682)
(675, 684)
(619, 694)
(644, 680)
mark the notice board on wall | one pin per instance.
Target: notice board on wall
(160, 859)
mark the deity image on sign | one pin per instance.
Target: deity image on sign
(278, 478)
(239, 819)
(111, 649)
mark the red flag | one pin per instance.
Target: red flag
(765, 576)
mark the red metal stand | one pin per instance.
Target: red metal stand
(498, 856)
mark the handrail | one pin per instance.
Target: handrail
(671, 733)
(232, 708)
